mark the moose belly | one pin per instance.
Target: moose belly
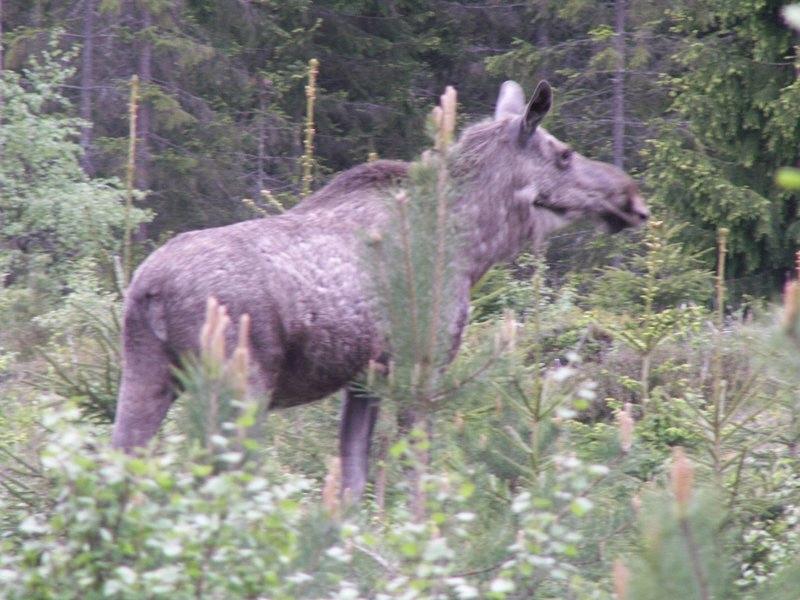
(321, 361)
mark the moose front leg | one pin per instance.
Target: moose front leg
(359, 414)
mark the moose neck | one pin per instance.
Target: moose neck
(492, 237)
(496, 222)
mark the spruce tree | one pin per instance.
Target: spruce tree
(733, 123)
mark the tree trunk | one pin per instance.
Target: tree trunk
(2, 59)
(407, 420)
(619, 85)
(38, 15)
(2, 74)
(145, 115)
(262, 139)
(87, 84)
(1, 36)
(543, 42)
(142, 178)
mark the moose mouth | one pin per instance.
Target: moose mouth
(616, 219)
(613, 218)
(613, 223)
(543, 201)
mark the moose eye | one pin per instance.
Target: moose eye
(564, 158)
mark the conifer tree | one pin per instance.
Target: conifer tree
(733, 123)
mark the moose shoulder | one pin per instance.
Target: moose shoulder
(299, 275)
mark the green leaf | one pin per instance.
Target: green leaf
(398, 449)
(581, 506)
(137, 466)
(788, 177)
(201, 471)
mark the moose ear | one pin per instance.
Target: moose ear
(510, 102)
(538, 107)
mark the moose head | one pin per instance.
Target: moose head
(565, 185)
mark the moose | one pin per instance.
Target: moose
(298, 274)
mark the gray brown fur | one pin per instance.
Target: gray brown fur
(300, 278)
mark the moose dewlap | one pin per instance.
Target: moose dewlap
(300, 278)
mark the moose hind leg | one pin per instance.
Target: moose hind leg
(359, 414)
(145, 396)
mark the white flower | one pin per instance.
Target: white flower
(501, 586)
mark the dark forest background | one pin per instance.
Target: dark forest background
(698, 99)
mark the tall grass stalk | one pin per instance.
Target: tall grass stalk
(534, 404)
(133, 108)
(719, 384)
(444, 117)
(308, 154)
(682, 479)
